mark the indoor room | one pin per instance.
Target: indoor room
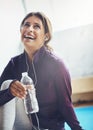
(72, 41)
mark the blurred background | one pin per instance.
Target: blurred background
(72, 22)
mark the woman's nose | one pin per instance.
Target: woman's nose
(31, 28)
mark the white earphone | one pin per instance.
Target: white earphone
(46, 38)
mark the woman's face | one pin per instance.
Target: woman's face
(33, 34)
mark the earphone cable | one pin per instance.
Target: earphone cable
(35, 85)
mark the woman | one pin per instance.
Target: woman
(50, 76)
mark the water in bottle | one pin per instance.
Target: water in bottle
(30, 101)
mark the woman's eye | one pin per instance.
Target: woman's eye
(26, 24)
(36, 26)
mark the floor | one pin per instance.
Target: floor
(83, 103)
(84, 112)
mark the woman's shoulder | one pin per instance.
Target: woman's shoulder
(58, 62)
(17, 57)
(54, 57)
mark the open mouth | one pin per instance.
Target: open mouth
(29, 37)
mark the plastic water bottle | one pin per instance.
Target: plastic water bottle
(30, 101)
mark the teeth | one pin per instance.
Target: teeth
(30, 37)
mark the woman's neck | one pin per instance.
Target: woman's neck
(29, 55)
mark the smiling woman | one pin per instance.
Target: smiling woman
(49, 74)
(34, 30)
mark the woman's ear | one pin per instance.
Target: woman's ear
(46, 37)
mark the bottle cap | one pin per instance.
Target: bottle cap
(24, 74)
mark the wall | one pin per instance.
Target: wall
(75, 46)
(64, 14)
(11, 14)
(82, 89)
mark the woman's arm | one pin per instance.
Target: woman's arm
(63, 87)
(5, 94)
(7, 74)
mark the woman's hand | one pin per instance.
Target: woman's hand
(18, 89)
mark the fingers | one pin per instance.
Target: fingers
(28, 87)
(18, 89)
